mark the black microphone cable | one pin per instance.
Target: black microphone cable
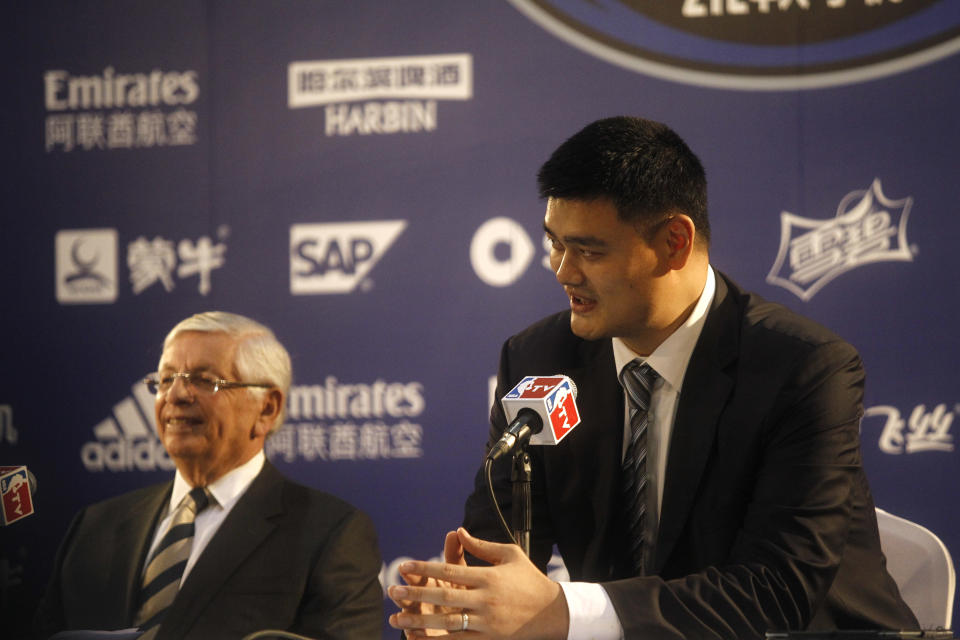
(487, 469)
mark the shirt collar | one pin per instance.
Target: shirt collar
(226, 489)
(671, 358)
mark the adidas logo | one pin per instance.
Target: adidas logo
(127, 440)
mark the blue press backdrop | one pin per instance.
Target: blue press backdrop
(360, 177)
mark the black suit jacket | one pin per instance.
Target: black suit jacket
(286, 557)
(767, 522)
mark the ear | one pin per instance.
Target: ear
(270, 408)
(678, 236)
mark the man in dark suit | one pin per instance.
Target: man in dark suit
(742, 444)
(230, 546)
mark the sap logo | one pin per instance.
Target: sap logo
(922, 431)
(868, 228)
(127, 441)
(336, 257)
(86, 266)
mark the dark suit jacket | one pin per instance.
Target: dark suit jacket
(767, 521)
(286, 557)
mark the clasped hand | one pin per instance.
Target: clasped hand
(509, 599)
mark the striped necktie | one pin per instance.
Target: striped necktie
(161, 578)
(638, 381)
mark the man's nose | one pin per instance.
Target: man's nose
(180, 390)
(567, 271)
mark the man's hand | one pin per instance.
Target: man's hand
(511, 599)
(452, 554)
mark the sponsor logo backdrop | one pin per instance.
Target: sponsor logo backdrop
(360, 177)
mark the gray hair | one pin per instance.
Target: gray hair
(259, 358)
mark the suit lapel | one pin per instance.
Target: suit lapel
(240, 533)
(582, 462)
(706, 387)
(606, 403)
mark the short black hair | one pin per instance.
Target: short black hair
(642, 166)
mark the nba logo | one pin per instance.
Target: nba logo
(562, 409)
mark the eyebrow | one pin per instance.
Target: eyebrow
(583, 241)
(201, 369)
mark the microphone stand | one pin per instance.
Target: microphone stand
(522, 477)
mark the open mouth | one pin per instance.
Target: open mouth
(182, 423)
(581, 304)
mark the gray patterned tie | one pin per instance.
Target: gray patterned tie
(638, 381)
(161, 579)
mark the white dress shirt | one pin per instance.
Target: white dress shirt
(592, 616)
(225, 492)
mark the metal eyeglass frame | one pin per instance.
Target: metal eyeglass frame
(197, 381)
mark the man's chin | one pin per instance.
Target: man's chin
(585, 328)
(183, 445)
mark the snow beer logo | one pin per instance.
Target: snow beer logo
(336, 257)
(868, 227)
(756, 44)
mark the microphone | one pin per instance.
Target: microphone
(17, 487)
(537, 401)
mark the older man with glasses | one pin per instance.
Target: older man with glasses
(229, 547)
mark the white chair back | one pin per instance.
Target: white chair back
(922, 568)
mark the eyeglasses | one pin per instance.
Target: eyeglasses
(159, 384)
